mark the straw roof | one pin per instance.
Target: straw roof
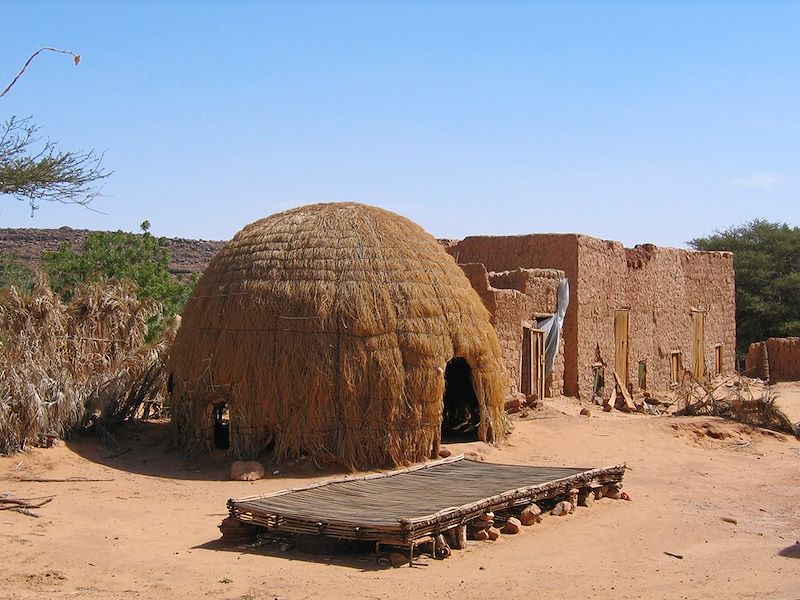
(326, 329)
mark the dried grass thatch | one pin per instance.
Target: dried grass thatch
(325, 329)
(62, 364)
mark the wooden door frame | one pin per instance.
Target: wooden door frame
(532, 363)
(622, 343)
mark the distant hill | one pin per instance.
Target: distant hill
(187, 256)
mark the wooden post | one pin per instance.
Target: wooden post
(461, 537)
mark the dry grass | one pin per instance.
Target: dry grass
(64, 364)
(732, 398)
(325, 330)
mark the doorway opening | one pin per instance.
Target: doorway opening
(461, 415)
(221, 426)
(599, 376)
(642, 372)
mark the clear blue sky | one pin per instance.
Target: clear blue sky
(635, 121)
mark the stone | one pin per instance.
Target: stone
(247, 470)
(572, 497)
(716, 432)
(512, 526)
(493, 533)
(601, 492)
(586, 499)
(561, 509)
(530, 515)
(481, 535)
(397, 559)
(514, 403)
(445, 452)
(614, 493)
(234, 531)
(585, 412)
(486, 516)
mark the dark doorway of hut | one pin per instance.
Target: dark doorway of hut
(461, 415)
(221, 426)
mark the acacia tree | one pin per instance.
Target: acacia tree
(33, 170)
(766, 258)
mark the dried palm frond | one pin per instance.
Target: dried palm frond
(61, 364)
(738, 404)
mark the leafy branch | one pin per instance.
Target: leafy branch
(46, 173)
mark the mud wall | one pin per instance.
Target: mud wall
(756, 362)
(660, 287)
(782, 359)
(601, 281)
(512, 308)
(534, 251)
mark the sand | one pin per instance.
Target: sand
(149, 529)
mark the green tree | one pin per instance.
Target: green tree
(766, 258)
(141, 258)
(31, 170)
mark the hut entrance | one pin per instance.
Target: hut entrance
(221, 426)
(461, 416)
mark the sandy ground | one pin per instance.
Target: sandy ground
(148, 530)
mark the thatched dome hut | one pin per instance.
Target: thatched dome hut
(327, 331)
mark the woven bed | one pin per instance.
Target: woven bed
(409, 504)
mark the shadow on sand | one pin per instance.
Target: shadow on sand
(361, 559)
(792, 551)
(146, 449)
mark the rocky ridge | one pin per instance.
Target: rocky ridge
(28, 245)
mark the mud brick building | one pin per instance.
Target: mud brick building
(649, 313)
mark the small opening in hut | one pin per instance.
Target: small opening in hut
(461, 416)
(221, 426)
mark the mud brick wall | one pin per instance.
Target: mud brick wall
(602, 287)
(660, 286)
(783, 359)
(512, 308)
(534, 251)
(756, 362)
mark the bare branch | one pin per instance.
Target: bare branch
(75, 57)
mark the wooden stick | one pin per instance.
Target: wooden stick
(65, 480)
(15, 503)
